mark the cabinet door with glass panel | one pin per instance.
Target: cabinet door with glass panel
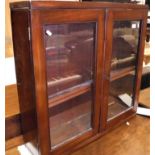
(71, 56)
(124, 54)
(70, 79)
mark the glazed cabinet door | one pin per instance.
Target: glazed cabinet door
(125, 37)
(67, 53)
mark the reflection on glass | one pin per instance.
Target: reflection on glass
(70, 68)
(69, 51)
(123, 65)
(121, 95)
(70, 119)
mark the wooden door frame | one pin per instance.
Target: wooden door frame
(111, 16)
(57, 16)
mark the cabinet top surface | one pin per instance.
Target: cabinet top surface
(72, 5)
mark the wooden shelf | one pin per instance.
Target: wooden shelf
(67, 79)
(128, 61)
(70, 130)
(69, 93)
(115, 107)
(121, 73)
(70, 123)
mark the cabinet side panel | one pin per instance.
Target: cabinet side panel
(24, 75)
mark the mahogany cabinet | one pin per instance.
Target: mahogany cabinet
(78, 67)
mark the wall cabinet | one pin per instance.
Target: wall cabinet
(78, 67)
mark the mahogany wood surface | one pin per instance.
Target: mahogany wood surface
(111, 16)
(69, 95)
(16, 141)
(124, 140)
(24, 70)
(138, 123)
(133, 139)
(77, 5)
(62, 16)
(30, 60)
(121, 73)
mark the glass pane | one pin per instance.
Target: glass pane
(70, 72)
(70, 119)
(123, 66)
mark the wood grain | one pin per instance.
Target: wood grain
(12, 113)
(113, 15)
(12, 127)
(24, 71)
(79, 5)
(121, 73)
(71, 93)
(124, 140)
(103, 145)
(11, 101)
(14, 142)
(60, 16)
(31, 70)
